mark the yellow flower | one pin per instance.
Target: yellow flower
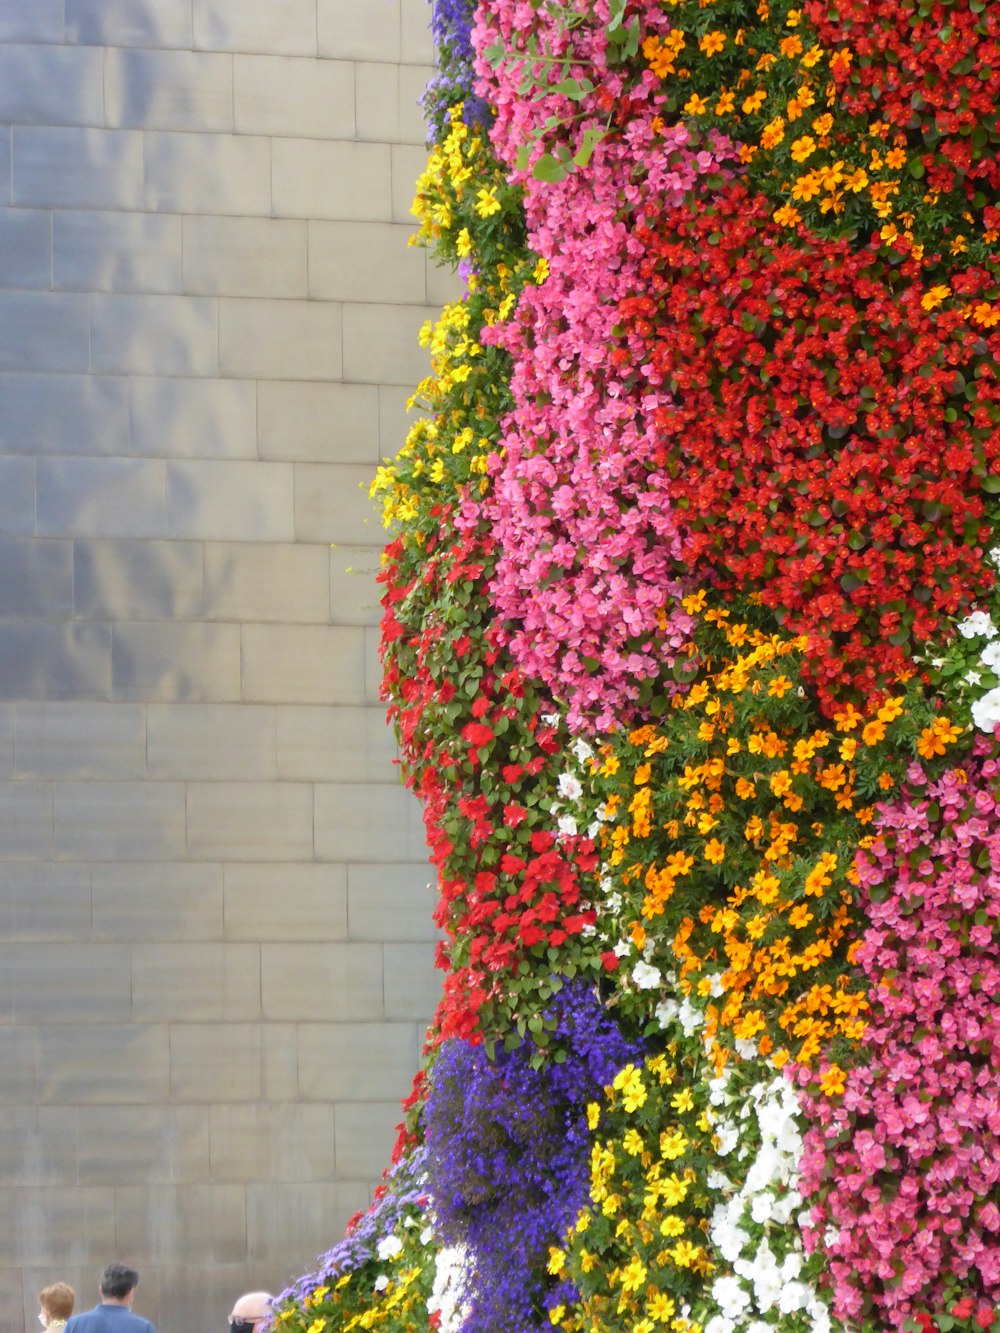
(715, 851)
(633, 1275)
(935, 296)
(682, 1101)
(557, 1260)
(661, 1307)
(725, 104)
(487, 202)
(672, 1225)
(985, 315)
(833, 1081)
(685, 1255)
(556, 1314)
(673, 1144)
(712, 43)
(803, 148)
(593, 1115)
(695, 105)
(755, 101)
(628, 1082)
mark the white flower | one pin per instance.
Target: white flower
(691, 1020)
(566, 825)
(973, 677)
(761, 1207)
(570, 787)
(381, 1282)
(729, 1295)
(550, 719)
(986, 711)
(593, 829)
(446, 1296)
(645, 976)
(720, 1324)
(976, 624)
(990, 656)
(622, 948)
(728, 1136)
(995, 556)
(748, 1049)
(794, 1296)
(388, 1247)
(582, 750)
(613, 902)
(666, 1012)
(427, 1235)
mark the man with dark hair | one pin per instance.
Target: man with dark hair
(114, 1314)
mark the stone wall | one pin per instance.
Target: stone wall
(215, 936)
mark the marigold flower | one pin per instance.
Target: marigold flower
(712, 43)
(935, 296)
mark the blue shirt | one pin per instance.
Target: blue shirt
(108, 1319)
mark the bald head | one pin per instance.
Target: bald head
(254, 1306)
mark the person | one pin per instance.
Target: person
(114, 1313)
(251, 1312)
(55, 1305)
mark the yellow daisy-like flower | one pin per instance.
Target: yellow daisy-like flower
(755, 101)
(803, 148)
(695, 105)
(487, 202)
(935, 296)
(712, 43)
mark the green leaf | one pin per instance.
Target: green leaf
(591, 138)
(548, 169)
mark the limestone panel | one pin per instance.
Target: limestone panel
(49, 901)
(215, 1062)
(119, 821)
(211, 741)
(321, 982)
(156, 901)
(44, 660)
(194, 418)
(137, 580)
(380, 343)
(352, 33)
(161, 1144)
(355, 596)
(365, 261)
(276, 27)
(38, 1145)
(80, 740)
(315, 178)
(188, 662)
(267, 582)
(168, 90)
(84, 1217)
(195, 982)
(43, 331)
(416, 42)
(309, 664)
(63, 414)
(73, 167)
(36, 578)
(25, 820)
(154, 335)
(325, 744)
(245, 256)
(286, 1221)
(144, 902)
(25, 247)
(17, 1057)
(285, 901)
(77, 983)
(391, 902)
(407, 163)
(41, 21)
(348, 1062)
(318, 423)
(377, 822)
(17, 496)
(133, 1060)
(51, 85)
(387, 107)
(280, 1074)
(96, 251)
(250, 821)
(114, 497)
(327, 503)
(182, 1224)
(366, 1132)
(280, 339)
(127, 23)
(267, 1142)
(412, 983)
(206, 173)
(298, 99)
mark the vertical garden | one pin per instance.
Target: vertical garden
(691, 640)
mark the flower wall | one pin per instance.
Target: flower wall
(691, 640)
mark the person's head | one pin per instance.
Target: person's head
(56, 1302)
(118, 1282)
(251, 1312)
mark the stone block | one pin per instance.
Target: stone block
(80, 740)
(168, 90)
(286, 1221)
(316, 983)
(115, 252)
(41, 21)
(25, 820)
(280, 339)
(278, 27)
(366, 1132)
(132, 1059)
(43, 331)
(323, 744)
(38, 1145)
(268, 1142)
(267, 581)
(146, 23)
(318, 423)
(315, 178)
(47, 660)
(120, 1145)
(51, 85)
(211, 741)
(413, 985)
(101, 497)
(347, 32)
(215, 1062)
(78, 983)
(306, 664)
(387, 108)
(379, 821)
(17, 1058)
(416, 45)
(120, 821)
(408, 163)
(354, 594)
(25, 248)
(50, 900)
(154, 335)
(176, 662)
(195, 982)
(230, 500)
(17, 496)
(83, 1218)
(331, 504)
(207, 173)
(444, 285)
(261, 257)
(280, 1058)
(144, 902)
(381, 343)
(137, 580)
(36, 577)
(391, 902)
(294, 901)
(72, 167)
(365, 261)
(191, 1224)
(350, 1062)
(63, 414)
(194, 418)
(298, 99)
(250, 821)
